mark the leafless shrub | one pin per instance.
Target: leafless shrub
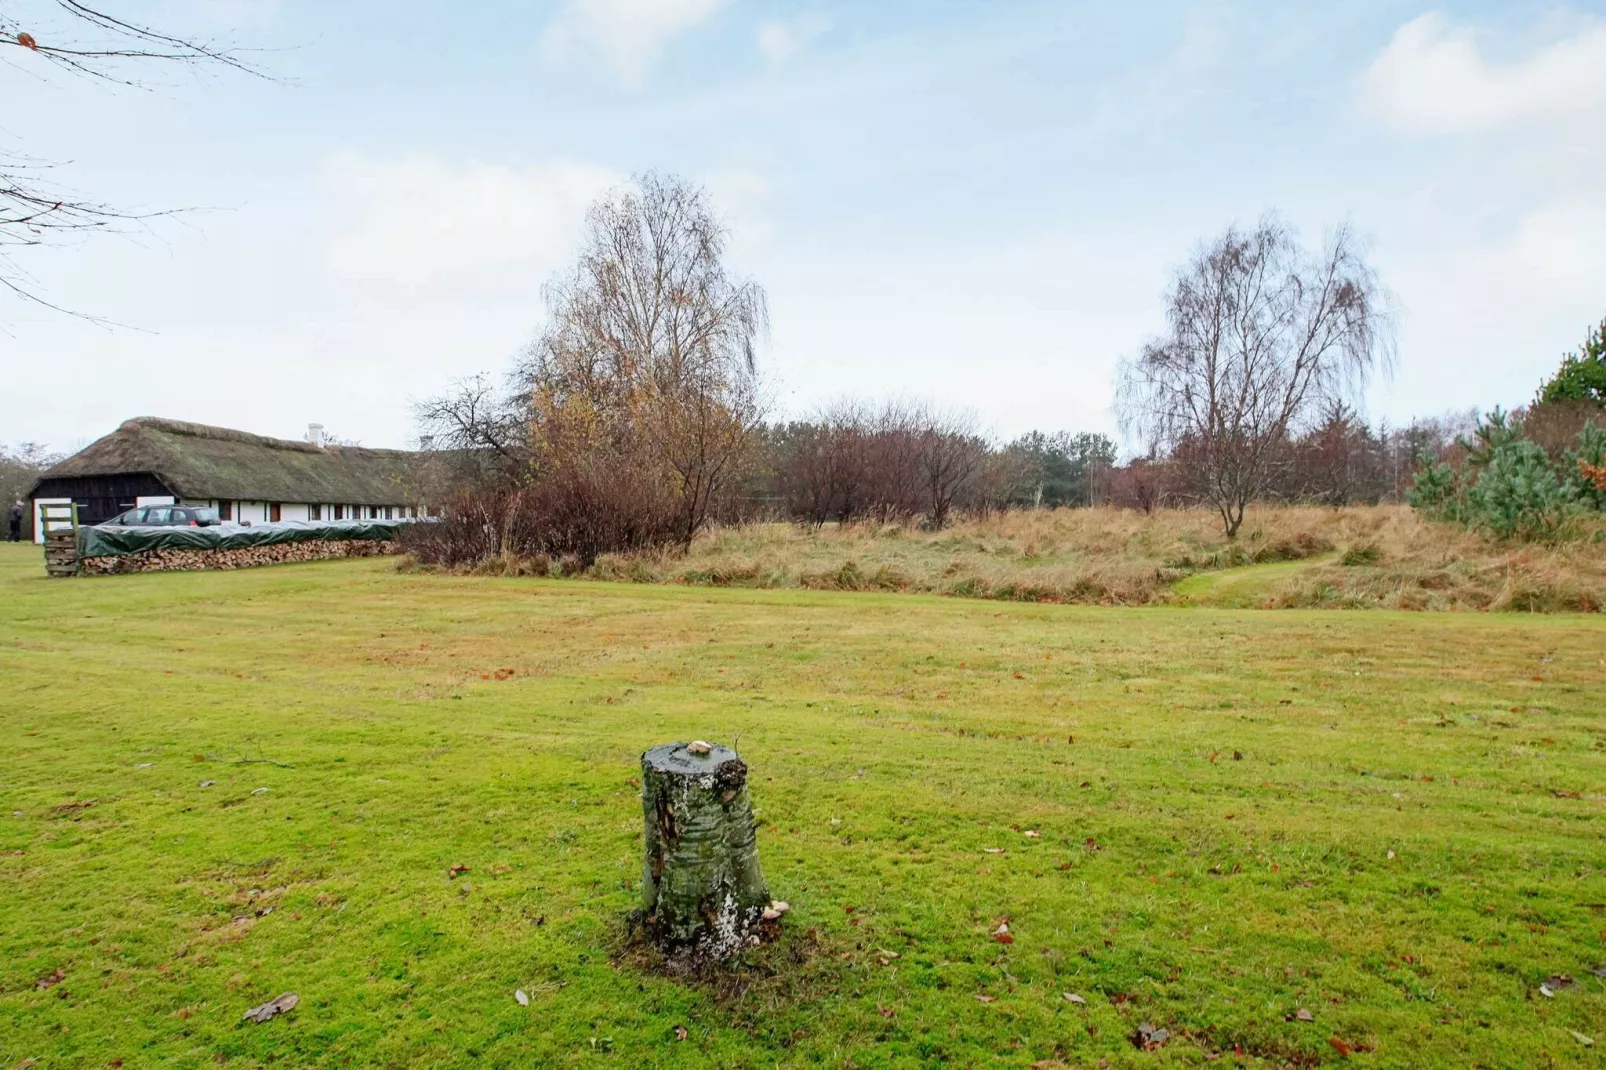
(890, 463)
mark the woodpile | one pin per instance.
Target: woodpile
(61, 553)
(247, 557)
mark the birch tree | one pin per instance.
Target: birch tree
(1260, 334)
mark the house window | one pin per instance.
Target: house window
(225, 510)
(387, 513)
(314, 512)
(340, 512)
(273, 512)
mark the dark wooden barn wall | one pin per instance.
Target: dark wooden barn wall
(100, 498)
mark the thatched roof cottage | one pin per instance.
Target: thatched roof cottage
(245, 477)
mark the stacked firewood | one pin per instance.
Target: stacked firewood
(61, 553)
(247, 557)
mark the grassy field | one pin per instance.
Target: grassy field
(1388, 821)
(1356, 557)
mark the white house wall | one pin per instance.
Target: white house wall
(254, 512)
(258, 512)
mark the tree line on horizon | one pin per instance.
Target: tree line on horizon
(638, 417)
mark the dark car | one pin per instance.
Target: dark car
(165, 516)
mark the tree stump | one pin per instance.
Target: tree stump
(702, 889)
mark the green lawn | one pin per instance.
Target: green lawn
(1218, 795)
(1244, 587)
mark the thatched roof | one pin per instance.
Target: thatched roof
(197, 461)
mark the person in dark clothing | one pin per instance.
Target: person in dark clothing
(16, 520)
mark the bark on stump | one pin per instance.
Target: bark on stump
(702, 888)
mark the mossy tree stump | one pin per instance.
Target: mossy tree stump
(702, 888)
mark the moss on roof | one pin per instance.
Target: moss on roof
(198, 461)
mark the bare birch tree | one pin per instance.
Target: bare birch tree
(1260, 333)
(649, 350)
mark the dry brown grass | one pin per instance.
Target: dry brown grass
(1382, 556)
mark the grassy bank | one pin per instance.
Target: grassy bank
(1390, 821)
(1381, 557)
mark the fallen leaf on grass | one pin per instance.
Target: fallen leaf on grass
(261, 791)
(985, 999)
(1032, 833)
(1301, 1015)
(457, 870)
(1339, 1046)
(680, 1032)
(1555, 983)
(207, 783)
(1588, 1042)
(263, 1012)
(1001, 934)
(1149, 1038)
(992, 850)
(523, 997)
(52, 978)
(886, 1012)
(1072, 997)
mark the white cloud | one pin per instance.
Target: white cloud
(1434, 78)
(780, 40)
(1563, 244)
(630, 34)
(423, 223)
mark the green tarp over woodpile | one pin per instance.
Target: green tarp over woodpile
(108, 541)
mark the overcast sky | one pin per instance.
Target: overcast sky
(974, 202)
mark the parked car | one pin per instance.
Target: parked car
(166, 516)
